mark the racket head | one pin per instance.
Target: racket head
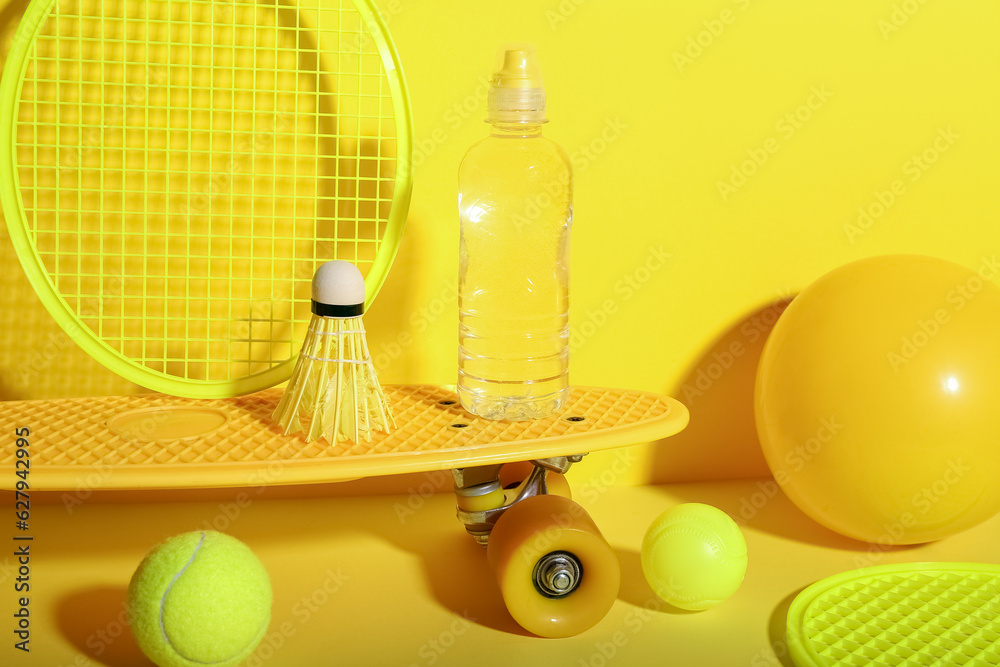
(172, 173)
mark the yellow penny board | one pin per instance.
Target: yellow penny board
(161, 442)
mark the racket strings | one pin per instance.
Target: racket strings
(184, 167)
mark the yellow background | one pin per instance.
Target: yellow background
(658, 103)
(414, 581)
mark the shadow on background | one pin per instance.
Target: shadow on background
(721, 440)
(763, 506)
(80, 612)
(459, 576)
(456, 572)
(776, 630)
(417, 484)
(389, 323)
(37, 358)
(635, 589)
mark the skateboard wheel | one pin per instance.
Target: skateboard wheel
(512, 474)
(557, 574)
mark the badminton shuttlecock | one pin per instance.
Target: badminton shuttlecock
(334, 381)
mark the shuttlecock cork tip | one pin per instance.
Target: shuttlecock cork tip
(338, 290)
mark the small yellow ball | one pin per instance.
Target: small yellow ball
(694, 556)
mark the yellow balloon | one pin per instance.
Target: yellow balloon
(878, 399)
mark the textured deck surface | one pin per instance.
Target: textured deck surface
(914, 615)
(77, 441)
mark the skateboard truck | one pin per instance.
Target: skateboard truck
(482, 500)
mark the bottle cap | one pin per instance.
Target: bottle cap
(517, 94)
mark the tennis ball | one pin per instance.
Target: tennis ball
(694, 556)
(201, 598)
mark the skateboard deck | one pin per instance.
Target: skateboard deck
(155, 441)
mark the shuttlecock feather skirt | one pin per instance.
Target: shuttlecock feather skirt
(334, 386)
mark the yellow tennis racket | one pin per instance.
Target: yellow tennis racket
(173, 172)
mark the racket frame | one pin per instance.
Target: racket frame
(13, 209)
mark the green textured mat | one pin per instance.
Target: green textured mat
(941, 614)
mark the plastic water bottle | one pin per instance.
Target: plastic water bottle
(515, 203)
